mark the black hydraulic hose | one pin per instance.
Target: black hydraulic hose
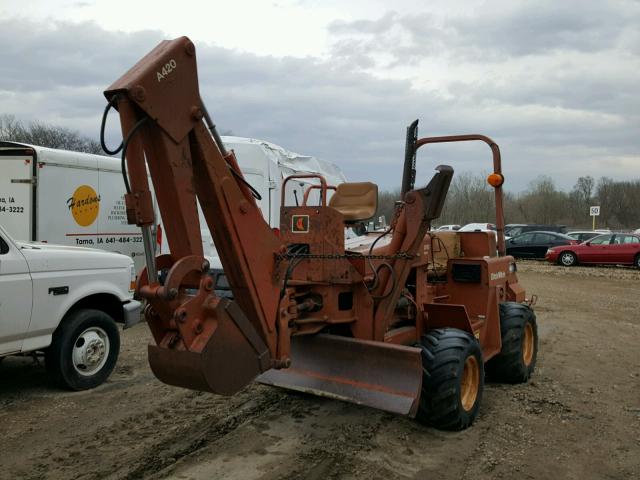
(106, 149)
(212, 128)
(240, 178)
(393, 280)
(124, 146)
(373, 269)
(216, 137)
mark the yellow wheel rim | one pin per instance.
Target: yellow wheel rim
(470, 383)
(527, 344)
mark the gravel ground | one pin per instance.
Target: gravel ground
(578, 418)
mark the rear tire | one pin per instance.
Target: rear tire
(519, 331)
(453, 379)
(84, 350)
(568, 259)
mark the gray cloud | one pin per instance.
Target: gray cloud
(556, 115)
(374, 27)
(497, 29)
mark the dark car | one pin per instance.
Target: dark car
(612, 248)
(515, 229)
(536, 244)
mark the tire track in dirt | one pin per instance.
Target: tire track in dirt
(212, 427)
(305, 437)
(578, 417)
(154, 439)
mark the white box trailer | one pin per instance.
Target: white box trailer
(72, 198)
(65, 198)
(264, 166)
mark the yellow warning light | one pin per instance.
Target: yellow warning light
(495, 180)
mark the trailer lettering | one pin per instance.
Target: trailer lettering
(12, 209)
(84, 205)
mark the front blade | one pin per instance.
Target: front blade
(375, 374)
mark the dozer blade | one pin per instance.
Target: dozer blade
(375, 374)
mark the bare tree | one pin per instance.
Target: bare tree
(470, 199)
(584, 188)
(45, 135)
(386, 204)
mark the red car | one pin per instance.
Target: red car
(614, 248)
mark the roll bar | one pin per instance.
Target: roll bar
(412, 145)
(323, 186)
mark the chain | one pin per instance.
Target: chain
(347, 255)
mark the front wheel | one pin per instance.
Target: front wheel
(84, 350)
(568, 259)
(519, 331)
(453, 379)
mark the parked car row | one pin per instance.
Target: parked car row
(535, 244)
(515, 229)
(588, 247)
(555, 244)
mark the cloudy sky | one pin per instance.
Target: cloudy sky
(555, 83)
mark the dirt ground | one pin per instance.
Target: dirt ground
(578, 418)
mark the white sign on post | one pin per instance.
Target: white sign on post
(594, 211)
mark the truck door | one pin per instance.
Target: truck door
(15, 297)
(16, 193)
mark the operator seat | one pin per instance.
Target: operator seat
(356, 201)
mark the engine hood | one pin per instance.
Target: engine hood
(44, 257)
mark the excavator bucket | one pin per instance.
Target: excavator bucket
(379, 375)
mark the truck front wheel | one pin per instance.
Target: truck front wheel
(84, 350)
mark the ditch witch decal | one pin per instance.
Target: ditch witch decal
(84, 205)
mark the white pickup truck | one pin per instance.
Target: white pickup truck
(65, 301)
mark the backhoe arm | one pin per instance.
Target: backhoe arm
(202, 341)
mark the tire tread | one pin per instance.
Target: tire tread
(508, 366)
(56, 356)
(444, 351)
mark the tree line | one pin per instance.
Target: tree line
(46, 135)
(471, 199)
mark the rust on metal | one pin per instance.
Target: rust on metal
(497, 168)
(307, 313)
(383, 376)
